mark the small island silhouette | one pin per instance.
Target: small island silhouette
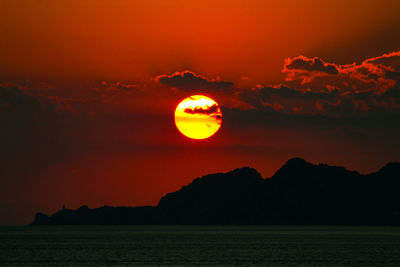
(299, 193)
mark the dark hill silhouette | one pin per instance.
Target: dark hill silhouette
(299, 193)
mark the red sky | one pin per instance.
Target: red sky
(86, 119)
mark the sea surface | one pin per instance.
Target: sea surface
(198, 246)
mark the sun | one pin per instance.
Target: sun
(198, 117)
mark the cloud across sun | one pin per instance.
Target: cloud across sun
(198, 117)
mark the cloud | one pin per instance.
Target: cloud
(288, 100)
(328, 103)
(314, 86)
(391, 60)
(377, 74)
(189, 81)
(301, 64)
(119, 86)
(200, 110)
(27, 101)
(213, 111)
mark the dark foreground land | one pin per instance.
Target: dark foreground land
(199, 246)
(299, 193)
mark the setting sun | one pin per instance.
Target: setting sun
(198, 117)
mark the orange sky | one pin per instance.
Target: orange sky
(86, 118)
(139, 39)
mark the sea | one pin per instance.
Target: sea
(199, 246)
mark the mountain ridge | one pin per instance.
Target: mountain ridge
(299, 193)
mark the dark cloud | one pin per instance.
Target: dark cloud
(119, 86)
(213, 111)
(316, 65)
(391, 60)
(189, 81)
(327, 103)
(316, 87)
(288, 100)
(393, 75)
(28, 102)
(375, 74)
(13, 98)
(200, 110)
(378, 128)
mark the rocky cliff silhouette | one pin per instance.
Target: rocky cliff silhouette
(299, 193)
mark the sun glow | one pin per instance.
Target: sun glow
(198, 117)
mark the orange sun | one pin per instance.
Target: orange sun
(198, 117)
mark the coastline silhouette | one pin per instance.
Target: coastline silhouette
(299, 193)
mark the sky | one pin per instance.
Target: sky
(88, 91)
